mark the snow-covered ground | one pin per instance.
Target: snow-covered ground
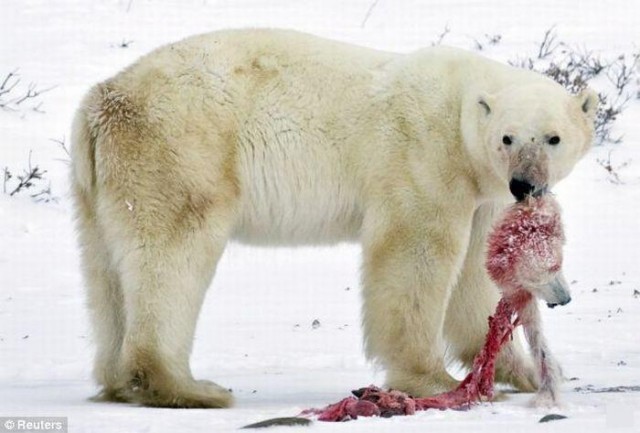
(255, 334)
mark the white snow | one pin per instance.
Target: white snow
(255, 334)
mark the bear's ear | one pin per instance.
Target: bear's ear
(589, 101)
(485, 101)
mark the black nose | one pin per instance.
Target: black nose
(565, 302)
(520, 188)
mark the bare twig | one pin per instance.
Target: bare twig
(8, 99)
(493, 39)
(32, 92)
(38, 108)
(620, 73)
(369, 12)
(487, 40)
(588, 63)
(28, 177)
(611, 169)
(6, 177)
(523, 63)
(606, 115)
(7, 85)
(548, 44)
(442, 35)
(62, 143)
(44, 196)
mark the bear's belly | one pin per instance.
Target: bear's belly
(294, 190)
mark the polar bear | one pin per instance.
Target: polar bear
(281, 138)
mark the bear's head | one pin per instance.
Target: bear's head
(530, 136)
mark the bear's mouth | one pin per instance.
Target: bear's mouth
(521, 188)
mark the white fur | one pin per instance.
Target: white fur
(550, 373)
(277, 137)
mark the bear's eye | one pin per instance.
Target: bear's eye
(506, 140)
(554, 140)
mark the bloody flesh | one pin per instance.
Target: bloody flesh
(478, 384)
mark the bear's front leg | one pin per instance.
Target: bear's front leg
(411, 261)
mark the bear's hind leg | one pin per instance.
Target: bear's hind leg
(165, 195)
(104, 296)
(164, 281)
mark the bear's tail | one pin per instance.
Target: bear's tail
(84, 135)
